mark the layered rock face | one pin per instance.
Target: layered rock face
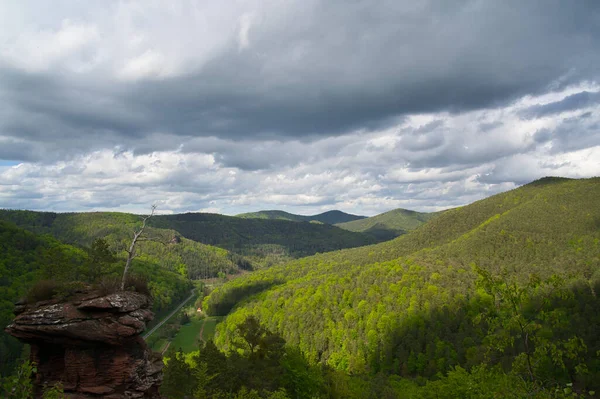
(92, 345)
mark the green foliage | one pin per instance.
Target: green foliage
(388, 225)
(108, 235)
(413, 306)
(264, 241)
(27, 258)
(177, 382)
(100, 260)
(20, 384)
(329, 217)
(24, 259)
(261, 367)
(54, 392)
(42, 290)
(526, 322)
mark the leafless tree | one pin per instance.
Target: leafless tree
(137, 236)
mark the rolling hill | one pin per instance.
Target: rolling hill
(26, 257)
(264, 241)
(388, 225)
(329, 217)
(428, 301)
(206, 243)
(167, 247)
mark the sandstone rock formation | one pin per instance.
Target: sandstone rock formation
(91, 344)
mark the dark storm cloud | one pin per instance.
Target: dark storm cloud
(324, 68)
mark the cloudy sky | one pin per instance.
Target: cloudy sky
(306, 106)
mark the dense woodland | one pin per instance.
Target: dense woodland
(165, 246)
(388, 225)
(494, 299)
(264, 241)
(26, 258)
(329, 217)
(508, 283)
(67, 246)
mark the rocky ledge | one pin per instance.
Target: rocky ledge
(92, 345)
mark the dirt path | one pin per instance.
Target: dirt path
(202, 331)
(156, 327)
(165, 348)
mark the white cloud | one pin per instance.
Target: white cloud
(305, 106)
(363, 172)
(244, 31)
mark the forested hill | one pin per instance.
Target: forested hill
(206, 243)
(259, 238)
(167, 246)
(26, 258)
(388, 225)
(329, 217)
(510, 280)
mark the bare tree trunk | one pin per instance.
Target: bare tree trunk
(131, 250)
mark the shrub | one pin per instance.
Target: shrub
(133, 282)
(137, 283)
(108, 285)
(42, 291)
(66, 290)
(184, 319)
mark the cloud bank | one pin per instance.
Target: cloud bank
(305, 106)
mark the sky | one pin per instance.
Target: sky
(304, 106)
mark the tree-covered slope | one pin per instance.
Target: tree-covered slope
(23, 257)
(273, 215)
(335, 217)
(26, 258)
(166, 246)
(388, 225)
(440, 296)
(262, 240)
(329, 217)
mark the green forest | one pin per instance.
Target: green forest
(27, 258)
(329, 217)
(490, 300)
(388, 225)
(263, 241)
(502, 289)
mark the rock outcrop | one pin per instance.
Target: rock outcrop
(92, 345)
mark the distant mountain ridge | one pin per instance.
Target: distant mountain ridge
(388, 225)
(272, 240)
(329, 217)
(214, 242)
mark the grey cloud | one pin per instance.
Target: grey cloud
(311, 114)
(571, 134)
(319, 69)
(573, 102)
(421, 142)
(486, 127)
(542, 136)
(575, 134)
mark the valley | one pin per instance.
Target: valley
(406, 314)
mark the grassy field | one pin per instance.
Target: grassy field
(210, 325)
(159, 345)
(188, 336)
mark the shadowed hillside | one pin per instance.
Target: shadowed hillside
(26, 258)
(420, 304)
(262, 240)
(166, 246)
(329, 217)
